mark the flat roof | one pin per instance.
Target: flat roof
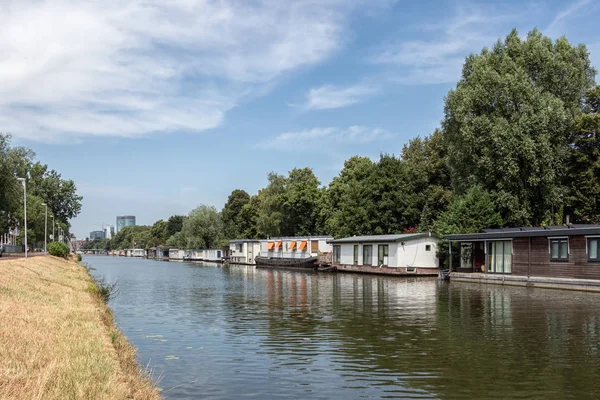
(527, 231)
(297, 238)
(382, 238)
(243, 240)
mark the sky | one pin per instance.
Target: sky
(155, 107)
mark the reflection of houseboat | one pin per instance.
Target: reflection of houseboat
(292, 252)
(402, 254)
(243, 251)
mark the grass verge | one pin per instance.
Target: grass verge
(58, 339)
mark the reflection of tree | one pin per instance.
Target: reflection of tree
(422, 336)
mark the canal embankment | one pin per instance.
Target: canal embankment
(58, 338)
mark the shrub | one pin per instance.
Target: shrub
(79, 258)
(104, 290)
(58, 249)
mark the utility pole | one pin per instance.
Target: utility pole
(22, 180)
(45, 229)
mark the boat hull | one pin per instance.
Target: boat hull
(305, 263)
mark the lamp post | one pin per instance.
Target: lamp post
(22, 180)
(45, 229)
(53, 224)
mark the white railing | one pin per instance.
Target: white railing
(286, 254)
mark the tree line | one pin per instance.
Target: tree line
(518, 146)
(44, 185)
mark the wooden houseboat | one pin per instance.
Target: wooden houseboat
(292, 252)
(400, 254)
(243, 251)
(549, 256)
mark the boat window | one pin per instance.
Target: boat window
(293, 245)
(559, 249)
(302, 246)
(367, 254)
(593, 249)
(270, 245)
(278, 245)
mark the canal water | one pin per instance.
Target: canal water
(229, 332)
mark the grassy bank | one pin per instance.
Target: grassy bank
(58, 339)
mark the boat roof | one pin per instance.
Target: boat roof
(243, 240)
(383, 238)
(316, 237)
(529, 231)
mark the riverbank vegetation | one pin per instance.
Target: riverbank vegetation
(44, 185)
(518, 145)
(59, 337)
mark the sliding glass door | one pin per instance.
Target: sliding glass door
(499, 255)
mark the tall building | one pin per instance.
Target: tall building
(96, 235)
(109, 232)
(125, 220)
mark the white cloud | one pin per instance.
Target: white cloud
(440, 59)
(319, 138)
(131, 67)
(329, 97)
(564, 14)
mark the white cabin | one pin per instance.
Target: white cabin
(414, 253)
(295, 247)
(213, 255)
(139, 253)
(176, 254)
(243, 251)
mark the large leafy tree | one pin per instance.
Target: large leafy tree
(231, 213)
(346, 203)
(508, 120)
(302, 201)
(202, 229)
(270, 214)
(584, 163)
(60, 195)
(174, 225)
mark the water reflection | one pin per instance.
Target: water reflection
(241, 332)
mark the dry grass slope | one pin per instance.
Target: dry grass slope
(58, 340)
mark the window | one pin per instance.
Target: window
(427, 247)
(337, 250)
(593, 249)
(367, 254)
(355, 254)
(382, 254)
(559, 249)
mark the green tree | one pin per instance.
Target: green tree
(248, 219)
(301, 202)
(231, 213)
(158, 233)
(270, 214)
(175, 224)
(202, 229)
(508, 120)
(584, 164)
(346, 202)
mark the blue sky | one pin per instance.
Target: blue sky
(155, 107)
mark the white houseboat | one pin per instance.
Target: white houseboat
(243, 251)
(403, 254)
(293, 252)
(176, 255)
(138, 253)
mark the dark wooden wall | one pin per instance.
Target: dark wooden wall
(539, 263)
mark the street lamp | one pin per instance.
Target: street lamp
(22, 180)
(45, 229)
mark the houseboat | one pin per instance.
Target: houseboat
(549, 256)
(401, 254)
(293, 252)
(176, 255)
(243, 251)
(140, 253)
